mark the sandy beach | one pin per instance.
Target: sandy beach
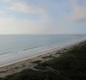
(33, 61)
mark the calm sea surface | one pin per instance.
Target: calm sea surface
(13, 46)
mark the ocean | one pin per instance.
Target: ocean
(17, 47)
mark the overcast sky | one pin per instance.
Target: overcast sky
(42, 16)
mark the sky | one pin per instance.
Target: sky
(42, 16)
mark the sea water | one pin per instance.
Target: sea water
(16, 47)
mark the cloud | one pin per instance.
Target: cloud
(57, 19)
(11, 25)
(4, 0)
(25, 8)
(77, 13)
(10, 0)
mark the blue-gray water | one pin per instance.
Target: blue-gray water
(18, 45)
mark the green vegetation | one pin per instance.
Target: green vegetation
(69, 66)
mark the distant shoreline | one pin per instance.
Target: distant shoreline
(33, 61)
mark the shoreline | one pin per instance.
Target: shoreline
(33, 61)
(7, 60)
